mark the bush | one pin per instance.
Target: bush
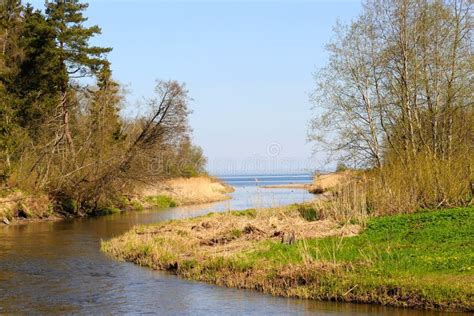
(425, 183)
(136, 205)
(107, 210)
(341, 167)
(161, 201)
(67, 205)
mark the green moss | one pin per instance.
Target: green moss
(161, 201)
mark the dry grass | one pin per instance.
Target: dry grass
(427, 182)
(397, 188)
(222, 235)
(186, 191)
(329, 182)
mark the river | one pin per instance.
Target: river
(57, 268)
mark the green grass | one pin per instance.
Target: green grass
(427, 257)
(308, 212)
(251, 212)
(161, 201)
(106, 210)
(136, 205)
(421, 260)
(426, 242)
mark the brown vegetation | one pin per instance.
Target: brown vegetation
(396, 99)
(225, 234)
(18, 207)
(186, 191)
(329, 182)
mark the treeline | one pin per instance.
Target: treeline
(396, 98)
(63, 136)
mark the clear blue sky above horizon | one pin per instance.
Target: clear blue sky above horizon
(248, 66)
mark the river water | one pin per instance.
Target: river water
(57, 268)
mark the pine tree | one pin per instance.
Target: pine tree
(77, 57)
(37, 82)
(105, 123)
(10, 26)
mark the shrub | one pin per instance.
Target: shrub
(161, 201)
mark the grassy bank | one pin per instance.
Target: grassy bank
(421, 260)
(185, 191)
(21, 207)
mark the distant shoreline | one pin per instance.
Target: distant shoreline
(300, 186)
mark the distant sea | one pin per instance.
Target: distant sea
(267, 179)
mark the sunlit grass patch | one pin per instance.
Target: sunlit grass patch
(160, 201)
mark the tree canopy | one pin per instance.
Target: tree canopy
(67, 138)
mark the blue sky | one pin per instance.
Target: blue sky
(247, 64)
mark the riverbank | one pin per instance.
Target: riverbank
(186, 191)
(17, 207)
(322, 183)
(20, 207)
(421, 260)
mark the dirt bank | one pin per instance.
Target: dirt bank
(17, 207)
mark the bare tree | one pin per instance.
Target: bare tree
(348, 91)
(399, 79)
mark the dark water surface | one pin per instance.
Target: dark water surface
(57, 267)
